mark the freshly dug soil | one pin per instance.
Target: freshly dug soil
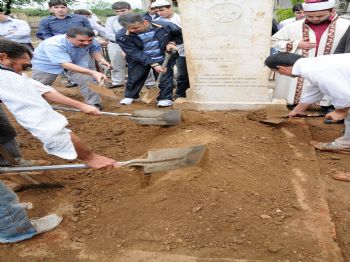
(239, 204)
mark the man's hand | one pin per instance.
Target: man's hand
(103, 42)
(100, 162)
(306, 45)
(170, 47)
(98, 76)
(104, 63)
(91, 110)
(337, 114)
(159, 69)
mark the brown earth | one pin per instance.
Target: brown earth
(259, 196)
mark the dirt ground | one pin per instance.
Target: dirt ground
(261, 195)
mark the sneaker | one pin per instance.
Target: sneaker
(126, 101)
(98, 106)
(164, 103)
(111, 86)
(46, 223)
(71, 84)
(331, 147)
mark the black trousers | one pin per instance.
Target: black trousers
(7, 137)
(183, 82)
(137, 75)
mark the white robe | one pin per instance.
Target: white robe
(293, 33)
(328, 75)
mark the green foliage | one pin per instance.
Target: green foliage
(31, 11)
(294, 2)
(282, 14)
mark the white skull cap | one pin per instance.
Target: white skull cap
(160, 3)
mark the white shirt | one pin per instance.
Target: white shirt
(15, 30)
(112, 27)
(175, 19)
(98, 29)
(328, 75)
(33, 113)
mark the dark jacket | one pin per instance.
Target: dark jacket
(344, 44)
(132, 44)
(148, 17)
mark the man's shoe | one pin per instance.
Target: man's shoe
(331, 147)
(111, 86)
(164, 103)
(126, 101)
(98, 106)
(46, 223)
(71, 84)
(330, 121)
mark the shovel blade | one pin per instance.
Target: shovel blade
(157, 117)
(274, 121)
(102, 90)
(150, 95)
(173, 158)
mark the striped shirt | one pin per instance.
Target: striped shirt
(151, 46)
(32, 112)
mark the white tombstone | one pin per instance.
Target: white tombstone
(226, 43)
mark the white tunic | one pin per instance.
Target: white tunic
(327, 75)
(293, 33)
(24, 101)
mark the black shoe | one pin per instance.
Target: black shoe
(98, 106)
(111, 86)
(71, 84)
(327, 109)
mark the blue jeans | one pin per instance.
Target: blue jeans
(183, 82)
(14, 222)
(137, 75)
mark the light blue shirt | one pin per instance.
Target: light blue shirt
(53, 52)
(15, 30)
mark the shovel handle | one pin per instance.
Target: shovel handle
(168, 55)
(102, 113)
(40, 168)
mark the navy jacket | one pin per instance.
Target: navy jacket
(132, 44)
(148, 17)
(344, 44)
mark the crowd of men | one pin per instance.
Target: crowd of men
(69, 47)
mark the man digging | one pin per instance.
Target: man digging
(328, 75)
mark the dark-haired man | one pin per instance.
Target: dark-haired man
(60, 21)
(327, 75)
(145, 44)
(298, 12)
(166, 13)
(114, 51)
(318, 34)
(71, 52)
(22, 99)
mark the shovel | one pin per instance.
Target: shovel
(152, 93)
(282, 119)
(142, 117)
(157, 160)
